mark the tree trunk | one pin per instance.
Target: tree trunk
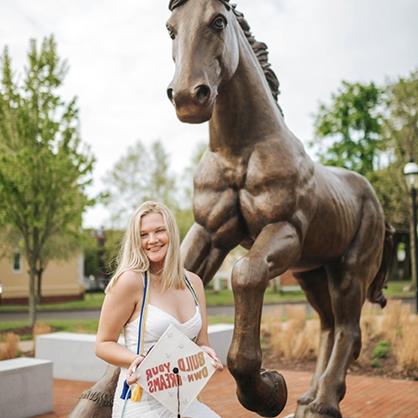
(39, 286)
(32, 299)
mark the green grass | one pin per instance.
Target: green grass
(85, 326)
(94, 301)
(225, 297)
(220, 319)
(396, 290)
(10, 326)
(91, 301)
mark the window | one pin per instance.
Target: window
(17, 267)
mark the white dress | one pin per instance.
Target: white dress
(156, 323)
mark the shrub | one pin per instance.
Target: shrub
(381, 350)
(41, 328)
(9, 347)
(375, 363)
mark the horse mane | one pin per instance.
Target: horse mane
(259, 48)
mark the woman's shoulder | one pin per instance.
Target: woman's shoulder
(129, 281)
(195, 280)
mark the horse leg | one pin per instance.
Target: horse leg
(201, 255)
(347, 300)
(275, 249)
(348, 281)
(315, 285)
(98, 400)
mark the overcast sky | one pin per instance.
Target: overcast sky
(120, 65)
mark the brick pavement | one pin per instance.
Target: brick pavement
(367, 397)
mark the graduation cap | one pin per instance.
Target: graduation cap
(175, 371)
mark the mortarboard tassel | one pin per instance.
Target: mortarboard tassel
(137, 393)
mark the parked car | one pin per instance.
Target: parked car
(95, 284)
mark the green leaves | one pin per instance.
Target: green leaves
(43, 169)
(373, 130)
(401, 123)
(349, 128)
(144, 173)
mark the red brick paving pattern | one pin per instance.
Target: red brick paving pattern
(367, 397)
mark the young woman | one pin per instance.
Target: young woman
(151, 247)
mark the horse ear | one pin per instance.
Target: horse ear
(175, 3)
(226, 4)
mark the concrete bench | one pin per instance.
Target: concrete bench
(72, 354)
(220, 337)
(74, 358)
(26, 387)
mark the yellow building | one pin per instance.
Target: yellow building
(61, 280)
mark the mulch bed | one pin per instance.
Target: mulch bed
(18, 331)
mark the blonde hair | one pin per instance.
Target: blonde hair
(133, 258)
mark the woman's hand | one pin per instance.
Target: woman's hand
(212, 354)
(131, 378)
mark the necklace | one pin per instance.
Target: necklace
(157, 274)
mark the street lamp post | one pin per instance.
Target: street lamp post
(411, 175)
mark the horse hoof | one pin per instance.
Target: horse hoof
(268, 397)
(322, 410)
(301, 409)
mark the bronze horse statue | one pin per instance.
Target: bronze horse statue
(257, 187)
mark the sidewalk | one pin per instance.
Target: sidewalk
(367, 397)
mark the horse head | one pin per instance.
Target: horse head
(205, 53)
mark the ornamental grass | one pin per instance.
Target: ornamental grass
(9, 345)
(389, 338)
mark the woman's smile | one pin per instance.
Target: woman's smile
(156, 248)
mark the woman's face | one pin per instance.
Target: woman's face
(154, 237)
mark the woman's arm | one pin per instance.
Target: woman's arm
(202, 338)
(118, 306)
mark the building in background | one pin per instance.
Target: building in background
(61, 280)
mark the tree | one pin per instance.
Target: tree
(144, 173)
(141, 174)
(349, 128)
(92, 252)
(184, 213)
(43, 168)
(401, 121)
(401, 137)
(350, 131)
(374, 131)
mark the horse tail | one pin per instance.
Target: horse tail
(375, 293)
